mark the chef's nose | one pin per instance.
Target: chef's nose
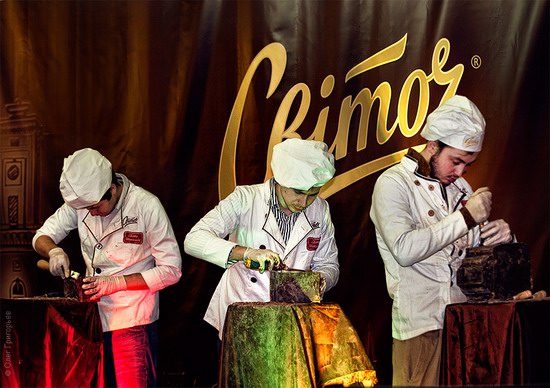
(460, 169)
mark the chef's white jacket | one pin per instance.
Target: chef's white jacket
(246, 218)
(422, 238)
(136, 237)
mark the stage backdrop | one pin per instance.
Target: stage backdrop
(188, 97)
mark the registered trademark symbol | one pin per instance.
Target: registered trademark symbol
(476, 61)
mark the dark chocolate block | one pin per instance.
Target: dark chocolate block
(295, 286)
(495, 272)
(72, 288)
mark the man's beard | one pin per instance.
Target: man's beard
(434, 169)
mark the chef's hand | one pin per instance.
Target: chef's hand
(265, 257)
(59, 263)
(479, 204)
(496, 232)
(97, 286)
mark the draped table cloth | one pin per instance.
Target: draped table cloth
(292, 345)
(502, 343)
(51, 342)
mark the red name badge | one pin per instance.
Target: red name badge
(133, 238)
(313, 243)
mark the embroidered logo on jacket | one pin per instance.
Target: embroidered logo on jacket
(133, 238)
(312, 243)
(129, 220)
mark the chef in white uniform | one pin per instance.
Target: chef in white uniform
(130, 252)
(280, 221)
(426, 215)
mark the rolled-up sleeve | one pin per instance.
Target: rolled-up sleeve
(58, 225)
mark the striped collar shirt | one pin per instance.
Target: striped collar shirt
(285, 222)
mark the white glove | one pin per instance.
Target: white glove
(97, 286)
(59, 263)
(260, 259)
(479, 204)
(323, 283)
(496, 232)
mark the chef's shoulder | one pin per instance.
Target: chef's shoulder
(395, 177)
(249, 194)
(138, 197)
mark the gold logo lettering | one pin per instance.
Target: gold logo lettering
(362, 104)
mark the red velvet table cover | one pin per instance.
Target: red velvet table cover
(51, 342)
(504, 343)
(292, 345)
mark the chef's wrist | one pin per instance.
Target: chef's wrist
(237, 253)
(56, 251)
(470, 222)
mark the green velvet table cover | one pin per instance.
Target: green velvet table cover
(292, 345)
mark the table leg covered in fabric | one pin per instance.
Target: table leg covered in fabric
(51, 342)
(506, 343)
(292, 345)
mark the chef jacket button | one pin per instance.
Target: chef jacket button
(431, 187)
(262, 246)
(431, 213)
(253, 279)
(460, 252)
(99, 246)
(98, 271)
(416, 182)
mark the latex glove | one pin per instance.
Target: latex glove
(264, 257)
(479, 204)
(97, 286)
(496, 232)
(59, 263)
(323, 284)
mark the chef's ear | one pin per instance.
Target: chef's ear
(432, 147)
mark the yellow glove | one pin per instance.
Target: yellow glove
(260, 259)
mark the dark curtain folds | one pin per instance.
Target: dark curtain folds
(152, 84)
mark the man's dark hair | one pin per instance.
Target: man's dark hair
(114, 181)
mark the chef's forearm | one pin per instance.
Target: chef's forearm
(135, 281)
(43, 245)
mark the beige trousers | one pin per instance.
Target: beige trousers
(416, 361)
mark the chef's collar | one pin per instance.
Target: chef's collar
(424, 168)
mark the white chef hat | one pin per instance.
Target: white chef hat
(86, 177)
(457, 123)
(302, 164)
